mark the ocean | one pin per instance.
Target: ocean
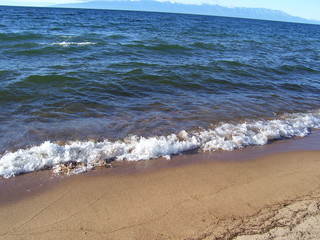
(82, 88)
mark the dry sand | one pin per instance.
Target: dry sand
(273, 197)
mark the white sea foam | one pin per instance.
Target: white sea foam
(67, 44)
(84, 156)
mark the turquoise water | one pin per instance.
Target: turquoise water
(96, 75)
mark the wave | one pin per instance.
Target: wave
(60, 80)
(23, 36)
(67, 44)
(286, 69)
(117, 37)
(160, 47)
(80, 156)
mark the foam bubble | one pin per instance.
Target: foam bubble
(80, 156)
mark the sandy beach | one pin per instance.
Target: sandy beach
(270, 197)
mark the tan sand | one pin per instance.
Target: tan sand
(274, 197)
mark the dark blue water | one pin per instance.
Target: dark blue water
(68, 74)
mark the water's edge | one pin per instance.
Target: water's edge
(76, 157)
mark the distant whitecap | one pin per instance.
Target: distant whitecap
(67, 44)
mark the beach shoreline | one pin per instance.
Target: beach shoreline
(26, 185)
(143, 125)
(185, 198)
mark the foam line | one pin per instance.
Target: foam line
(79, 156)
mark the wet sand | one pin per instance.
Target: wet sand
(255, 193)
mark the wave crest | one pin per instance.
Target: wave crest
(67, 44)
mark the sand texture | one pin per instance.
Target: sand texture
(299, 219)
(273, 197)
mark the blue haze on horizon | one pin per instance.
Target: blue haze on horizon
(308, 9)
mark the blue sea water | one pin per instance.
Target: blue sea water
(99, 84)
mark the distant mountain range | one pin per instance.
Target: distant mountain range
(205, 9)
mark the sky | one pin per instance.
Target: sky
(309, 9)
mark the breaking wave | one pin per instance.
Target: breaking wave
(80, 156)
